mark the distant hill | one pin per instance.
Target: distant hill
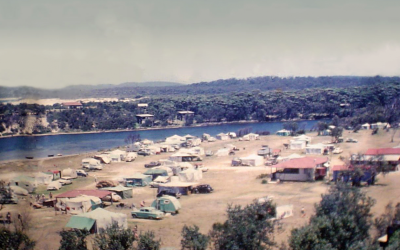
(132, 89)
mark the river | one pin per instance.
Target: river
(13, 148)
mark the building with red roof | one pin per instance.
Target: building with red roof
(71, 105)
(301, 169)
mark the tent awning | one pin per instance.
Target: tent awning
(80, 222)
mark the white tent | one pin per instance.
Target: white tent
(190, 175)
(252, 160)
(42, 178)
(251, 137)
(303, 138)
(222, 137)
(69, 173)
(232, 134)
(54, 185)
(19, 190)
(295, 144)
(316, 149)
(81, 204)
(121, 153)
(105, 158)
(223, 152)
(131, 156)
(175, 139)
(90, 163)
(106, 218)
(365, 126)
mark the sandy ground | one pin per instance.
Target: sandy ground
(232, 185)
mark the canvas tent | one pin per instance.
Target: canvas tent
(81, 223)
(366, 126)
(190, 175)
(167, 204)
(147, 142)
(54, 185)
(305, 138)
(122, 191)
(315, 149)
(69, 173)
(168, 169)
(222, 137)
(19, 190)
(119, 152)
(90, 163)
(295, 144)
(81, 204)
(251, 137)
(102, 218)
(175, 140)
(137, 180)
(115, 157)
(104, 158)
(131, 156)
(25, 182)
(42, 178)
(252, 160)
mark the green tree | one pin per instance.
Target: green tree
(291, 126)
(342, 221)
(147, 241)
(246, 228)
(15, 240)
(114, 237)
(73, 239)
(192, 239)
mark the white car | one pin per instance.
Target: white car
(337, 151)
(64, 181)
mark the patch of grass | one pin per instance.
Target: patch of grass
(76, 184)
(264, 181)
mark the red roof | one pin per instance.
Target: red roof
(383, 151)
(74, 193)
(72, 104)
(305, 162)
(340, 168)
(276, 151)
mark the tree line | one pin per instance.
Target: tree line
(353, 105)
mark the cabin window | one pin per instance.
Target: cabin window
(291, 171)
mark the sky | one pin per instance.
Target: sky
(56, 43)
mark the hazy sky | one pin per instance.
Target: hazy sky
(55, 43)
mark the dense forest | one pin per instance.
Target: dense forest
(131, 90)
(354, 105)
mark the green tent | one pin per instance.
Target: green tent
(137, 180)
(156, 172)
(167, 204)
(124, 192)
(81, 223)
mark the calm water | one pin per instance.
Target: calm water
(41, 146)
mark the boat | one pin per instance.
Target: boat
(59, 154)
(50, 156)
(29, 157)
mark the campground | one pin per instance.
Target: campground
(232, 185)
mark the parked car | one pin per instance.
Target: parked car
(148, 213)
(144, 153)
(170, 193)
(337, 151)
(152, 164)
(65, 181)
(202, 189)
(351, 140)
(81, 172)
